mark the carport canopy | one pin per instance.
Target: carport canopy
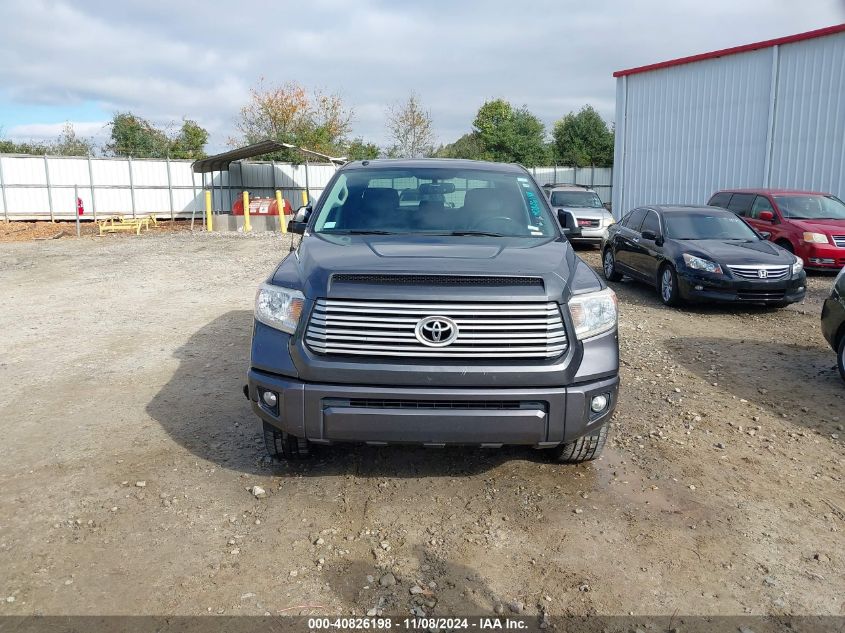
(220, 162)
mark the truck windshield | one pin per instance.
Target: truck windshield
(811, 207)
(579, 199)
(434, 201)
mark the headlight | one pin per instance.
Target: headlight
(593, 313)
(815, 238)
(609, 221)
(278, 307)
(699, 263)
(798, 266)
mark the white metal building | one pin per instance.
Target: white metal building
(770, 114)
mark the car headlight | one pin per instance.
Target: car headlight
(699, 263)
(798, 266)
(593, 313)
(278, 307)
(815, 238)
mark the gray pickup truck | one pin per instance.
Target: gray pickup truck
(433, 302)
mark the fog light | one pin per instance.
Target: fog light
(599, 403)
(699, 287)
(270, 399)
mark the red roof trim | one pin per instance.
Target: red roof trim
(828, 30)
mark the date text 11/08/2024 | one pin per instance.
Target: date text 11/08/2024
(413, 624)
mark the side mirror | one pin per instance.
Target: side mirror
(764, 234)
(607, 206)
(567, 223)
(654, 237)
(300, 220)
(766, 216)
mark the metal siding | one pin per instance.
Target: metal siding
(809, 127)
(685, 131)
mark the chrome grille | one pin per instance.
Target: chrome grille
(753, 271)
(839, 240)
(485, 330)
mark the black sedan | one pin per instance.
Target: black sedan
(701, 254)
(833, 320)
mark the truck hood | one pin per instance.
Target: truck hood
(321, 256)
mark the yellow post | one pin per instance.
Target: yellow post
(247, 227)
(304, 198)
(207, 210)
(280, 205)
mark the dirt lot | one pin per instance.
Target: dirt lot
(28, 231)
(128, 450)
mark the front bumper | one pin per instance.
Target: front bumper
(695, 286)
(821, 256)
(591, 235)
(325, 413)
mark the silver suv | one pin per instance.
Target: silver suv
(585, 210)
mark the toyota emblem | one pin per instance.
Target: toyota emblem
(436, 331)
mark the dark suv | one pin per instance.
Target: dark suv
(833, 320)
(458, 314)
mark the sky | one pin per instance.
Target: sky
(82, 61)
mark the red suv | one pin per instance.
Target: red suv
(807, 223)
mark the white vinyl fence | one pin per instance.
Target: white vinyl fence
(43, 187)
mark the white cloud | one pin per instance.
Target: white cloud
(197, 58)
(48, 131)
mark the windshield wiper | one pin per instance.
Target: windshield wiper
(482, 233)
(362, 232)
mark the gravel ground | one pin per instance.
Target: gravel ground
(129, 455)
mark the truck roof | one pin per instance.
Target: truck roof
(445, 163)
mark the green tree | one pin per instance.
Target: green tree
(583, 139)
(190, 142)
(359, 149)
(31, 147)
(468, 146)
(66, 144)
(133, 136)
(510, 134)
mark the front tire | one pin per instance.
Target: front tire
(609, 266)
(282, 446)
(667, 286)
(840, 359)
(583, 449)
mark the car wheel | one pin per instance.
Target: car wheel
(668, 286)
(841, 357)
(609, 266)
(281, 445)
(583, 449)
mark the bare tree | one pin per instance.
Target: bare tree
(409, 127)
